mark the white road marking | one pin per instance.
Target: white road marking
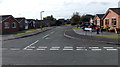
(82, 49)
(108, 47)
(32, 47)
(46, 36)
(67, 49)
(93, 47)
(31, 44)
(56, 47)
(53, 49)
(52, 32)
(27, 49)
(40, 49)
(111, 49)
(14, 49)
(96, 49)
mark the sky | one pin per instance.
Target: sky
(31, 9)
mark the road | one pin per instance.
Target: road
(53, 48)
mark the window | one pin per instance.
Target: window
(6, 25)
(114, 22)
(98, 21)
(14, 25)
(106, 22)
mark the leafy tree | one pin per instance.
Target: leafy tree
(75, 18)
(49, 18)
(86, 18)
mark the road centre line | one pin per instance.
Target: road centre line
(52, 32)
(32, 44)
(14, 49)
(46, 36)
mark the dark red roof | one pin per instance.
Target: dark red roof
(116, 10)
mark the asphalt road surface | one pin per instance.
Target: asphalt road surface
(53, 48)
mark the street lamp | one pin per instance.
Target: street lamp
(41, 14)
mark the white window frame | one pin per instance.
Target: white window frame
(6, 25)
(15, 25)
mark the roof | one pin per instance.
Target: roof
(100, 15)
(20, 19)
(116, 10)
(4, 17)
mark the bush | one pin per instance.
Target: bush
(106, 27)
(73, 24)
(111, 28)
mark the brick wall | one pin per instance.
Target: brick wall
(10, 29)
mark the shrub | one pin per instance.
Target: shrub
(106, 27)
(111, 28)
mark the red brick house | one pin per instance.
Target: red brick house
(8, 24)
(112, 18)
(98, 19)
(21, 22)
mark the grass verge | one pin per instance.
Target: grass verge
(115, 36)
(28, 31)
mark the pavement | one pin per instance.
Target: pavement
(53, 48)
(80, 34)
(13, 36)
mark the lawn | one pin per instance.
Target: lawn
(28, 31)
(115, 36)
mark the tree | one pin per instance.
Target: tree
(49, 18)
(75, 18)
(86, 18)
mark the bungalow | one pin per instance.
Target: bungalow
(38, 23)
(31, 23)
(8, 24)
(21, 22)
(112, 18)
(98, 19)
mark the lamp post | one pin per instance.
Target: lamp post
(41, 14)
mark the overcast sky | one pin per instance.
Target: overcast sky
(57, 8)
